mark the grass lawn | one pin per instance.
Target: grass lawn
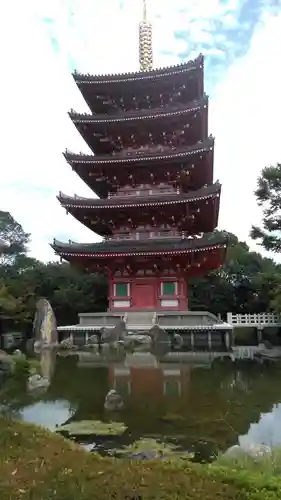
(38, 465)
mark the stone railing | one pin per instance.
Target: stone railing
(253, 319)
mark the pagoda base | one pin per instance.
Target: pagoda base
(200, 330)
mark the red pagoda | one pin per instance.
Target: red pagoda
(152, 171)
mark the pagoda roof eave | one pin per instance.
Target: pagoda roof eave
(177, 155)
(137, 76)
(204, 193)
(126, 248)
(129, 116)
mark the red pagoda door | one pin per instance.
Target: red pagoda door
(144, 296)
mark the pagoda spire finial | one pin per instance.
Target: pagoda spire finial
(144, 17)
(145, 42)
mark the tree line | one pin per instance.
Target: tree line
(247, 283)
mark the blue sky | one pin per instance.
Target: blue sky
(47, 39)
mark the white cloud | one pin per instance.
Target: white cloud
(37, 91)
(244, 117)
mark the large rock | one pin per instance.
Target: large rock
(111, 335)
(48, 359)
(160, 341)
(135, 340)
(113, 401)
(67, 344)
(158, 335)
(45, 325)
(269, 353)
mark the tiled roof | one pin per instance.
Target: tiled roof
(156, 73)
(207, 243)
(141, 201)
(141, 157)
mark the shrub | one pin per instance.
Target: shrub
(20, 368)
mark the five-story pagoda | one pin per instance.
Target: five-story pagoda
(152, 170)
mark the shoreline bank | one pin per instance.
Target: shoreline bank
(35, 463)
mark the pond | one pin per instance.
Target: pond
(202, 403)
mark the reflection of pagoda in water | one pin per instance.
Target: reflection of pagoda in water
(48, 363)
(173, 395)
(142, 375)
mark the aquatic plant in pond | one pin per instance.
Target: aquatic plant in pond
(152, 449)
(92, 428)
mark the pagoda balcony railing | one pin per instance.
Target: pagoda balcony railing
(143, 192)
(174, 108)
(149, 152)
(149, 235)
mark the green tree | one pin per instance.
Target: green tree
(241, 285)
(8, 303)
(268, 195)
(14, 237)
(273, 287)
(24, 280)
(245, 283)
(70, 290)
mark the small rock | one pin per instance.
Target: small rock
(93, 340)
(67, 344)
(253, 450)
(258, 450)
(137, 339)
(18, 354)
(35, 381)
(235, 452)
(177, 341)
(113, 401)
(37, 345)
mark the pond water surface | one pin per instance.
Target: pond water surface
(202, 403)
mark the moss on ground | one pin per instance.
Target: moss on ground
(36, 464)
